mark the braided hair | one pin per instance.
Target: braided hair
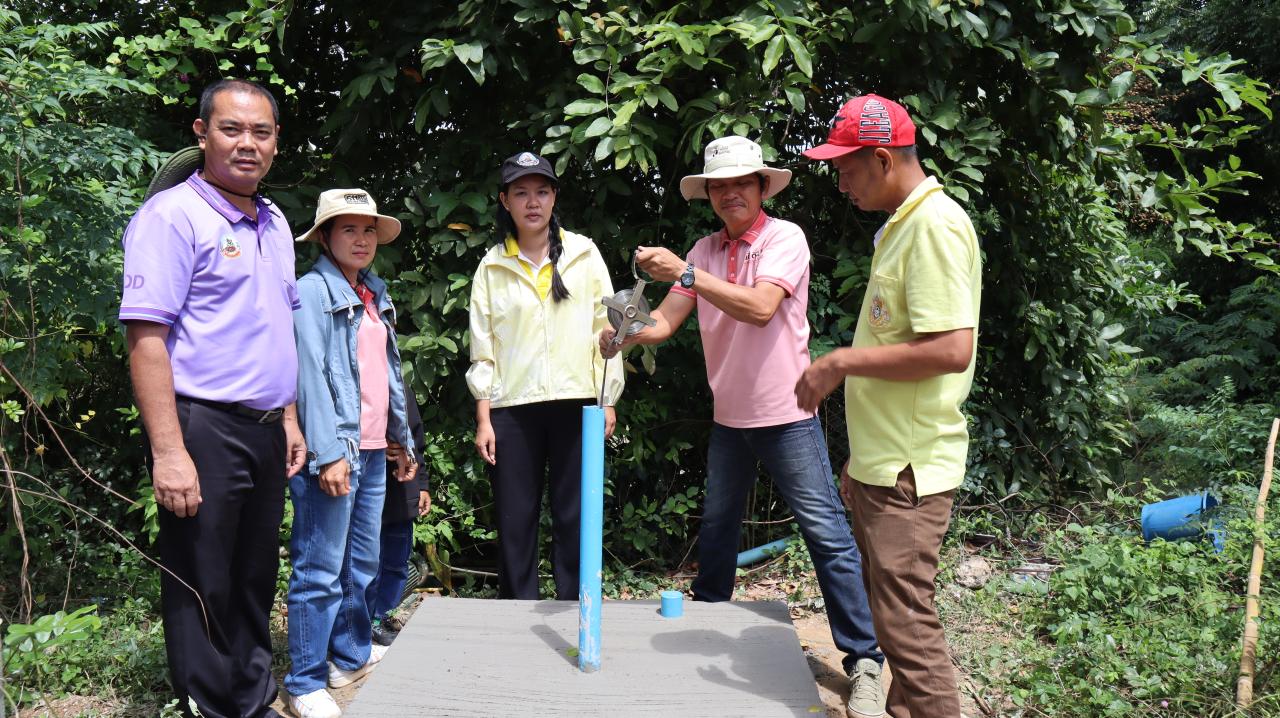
(506, 226)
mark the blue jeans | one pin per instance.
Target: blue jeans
(795, 455)
(334, 548)
(393, 569)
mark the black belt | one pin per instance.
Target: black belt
(262, 416)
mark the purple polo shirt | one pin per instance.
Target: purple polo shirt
(224, 285)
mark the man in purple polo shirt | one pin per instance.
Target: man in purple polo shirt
(750, 285)
(208, 302)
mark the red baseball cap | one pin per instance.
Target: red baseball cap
(866, 121)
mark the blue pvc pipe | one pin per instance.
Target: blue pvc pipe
(759, 553)
(591, 537)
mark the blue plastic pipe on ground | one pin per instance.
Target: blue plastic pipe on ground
(591, 537)
(759, 553)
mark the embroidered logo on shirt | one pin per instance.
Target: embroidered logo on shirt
(230, 248)
(878, 315)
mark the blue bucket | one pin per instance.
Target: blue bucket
(1177, 518)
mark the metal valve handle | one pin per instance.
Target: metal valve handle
(628, 313)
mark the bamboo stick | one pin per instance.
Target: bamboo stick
(1249, 652)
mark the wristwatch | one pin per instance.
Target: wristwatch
(686, 279)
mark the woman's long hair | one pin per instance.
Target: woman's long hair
(506, 225)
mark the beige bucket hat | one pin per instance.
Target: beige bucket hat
(336, 202)
(733, 157)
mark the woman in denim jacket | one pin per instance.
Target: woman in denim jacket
(351, 402)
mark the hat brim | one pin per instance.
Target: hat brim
(534, 170)
(695, 186)
(175, 170)
(826, 151)
(388, 227)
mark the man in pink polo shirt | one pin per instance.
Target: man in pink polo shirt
(750, 285)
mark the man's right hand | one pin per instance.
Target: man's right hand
(335, 478)
(608, 349)
(175, 482)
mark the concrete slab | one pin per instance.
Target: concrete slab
(471, 657)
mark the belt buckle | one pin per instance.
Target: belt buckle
(270, 416)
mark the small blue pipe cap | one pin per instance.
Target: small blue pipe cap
(672, 604)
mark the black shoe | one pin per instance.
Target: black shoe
(382, 635)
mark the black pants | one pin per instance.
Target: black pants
(216, 632)
(529, 437)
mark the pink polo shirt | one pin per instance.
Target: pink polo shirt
(375, 388)
(753, 370)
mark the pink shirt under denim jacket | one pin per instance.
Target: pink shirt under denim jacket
(753, 370)
(223, 283)
(329, 403)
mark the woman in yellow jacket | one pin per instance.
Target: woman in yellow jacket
(535, 318)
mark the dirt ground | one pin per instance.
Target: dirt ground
(821, 652)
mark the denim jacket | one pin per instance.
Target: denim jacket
(328, 376)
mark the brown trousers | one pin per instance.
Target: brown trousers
(900, 536)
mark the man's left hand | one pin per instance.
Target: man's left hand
(295, 446)
(820, 379)
(660, 263)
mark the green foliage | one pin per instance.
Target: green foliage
(1201, 404)
(68, 177)
(1242, 29)
(71, 173)
(1235, 337)
(237, 43)
(120, 654)
(30, 649)
(1127, 629)
(648, 522)
(1214, 443)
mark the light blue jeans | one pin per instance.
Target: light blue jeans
(334, 548)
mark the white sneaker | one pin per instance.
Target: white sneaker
(339, 677)
(316, 704)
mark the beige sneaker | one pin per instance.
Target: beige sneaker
(866, 697)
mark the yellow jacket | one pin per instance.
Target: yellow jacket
(527, 347)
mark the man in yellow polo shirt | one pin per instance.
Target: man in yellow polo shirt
(906, 376)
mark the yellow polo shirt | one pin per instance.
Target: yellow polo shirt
(543, 279)
(926, 276)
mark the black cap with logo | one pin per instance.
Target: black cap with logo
(526, 163)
